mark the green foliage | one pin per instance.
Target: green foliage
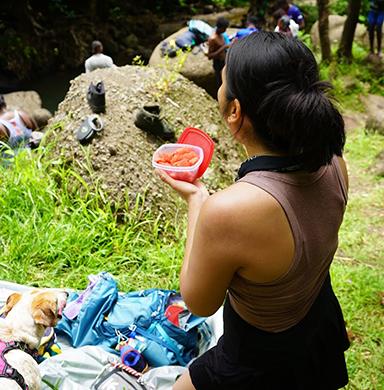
(173, 66)
(358, 286)
(116, 14)
(53, 236)
(29, 52)
(61, 7)
(361, 236)
(340, 7)
(352, 79)
(137, 60)
(311, 15)
(220, 3)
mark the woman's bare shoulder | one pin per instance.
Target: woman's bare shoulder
(250, 226)
(239, 205)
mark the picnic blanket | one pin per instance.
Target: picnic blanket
(79, 368)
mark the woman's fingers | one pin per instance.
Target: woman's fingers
(176, 184)
(185, 189)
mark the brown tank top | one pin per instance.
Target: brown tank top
(314, 204)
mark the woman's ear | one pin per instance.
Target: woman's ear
(234, 115)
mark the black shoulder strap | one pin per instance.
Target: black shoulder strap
(269, 163)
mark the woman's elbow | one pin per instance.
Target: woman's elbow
(200, 311)
(199, 307)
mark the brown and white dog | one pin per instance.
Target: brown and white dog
(27, 317)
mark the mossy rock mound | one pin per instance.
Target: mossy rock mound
(118, 159)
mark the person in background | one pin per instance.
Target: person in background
(251, 27)
(285, 24)
(98, 59)
(375, 22)
(264, 245)
(292, 11)
(16, 127)
(217, 46)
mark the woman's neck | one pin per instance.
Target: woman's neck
(259, 150)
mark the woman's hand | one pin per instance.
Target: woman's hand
(188, 191)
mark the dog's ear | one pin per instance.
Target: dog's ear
(11, 302)
(44, 311)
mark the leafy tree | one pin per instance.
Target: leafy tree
(258, 7)
(323, 6)
(345, 48)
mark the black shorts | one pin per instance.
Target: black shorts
(308, 356)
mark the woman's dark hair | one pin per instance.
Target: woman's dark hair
(276, 80)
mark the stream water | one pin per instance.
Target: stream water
(52, 87)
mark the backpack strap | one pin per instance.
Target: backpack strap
(164, 341)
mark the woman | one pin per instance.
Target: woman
(266, 243)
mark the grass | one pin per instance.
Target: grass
(357, 286)
(53, 237)
(357, 272)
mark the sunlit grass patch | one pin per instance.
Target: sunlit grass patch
(358, 287)
(52, 236)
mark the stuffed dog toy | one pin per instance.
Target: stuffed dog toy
(27, 316)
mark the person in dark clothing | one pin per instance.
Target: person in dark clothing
(264, 245)
(375, 23)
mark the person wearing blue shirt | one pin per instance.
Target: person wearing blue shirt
(251, 24)
(375, 22)
(292, 11)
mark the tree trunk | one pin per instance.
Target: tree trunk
(323, 6)
(345, 48)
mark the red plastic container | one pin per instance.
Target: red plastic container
(197, 137)
(187, 173)
(194, 138)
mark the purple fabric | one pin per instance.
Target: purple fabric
(72, 309)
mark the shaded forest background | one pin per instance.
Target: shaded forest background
(41, 36)
(37, 36)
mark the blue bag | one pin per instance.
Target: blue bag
(186, 40)
(202, 30)
(106, 317)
